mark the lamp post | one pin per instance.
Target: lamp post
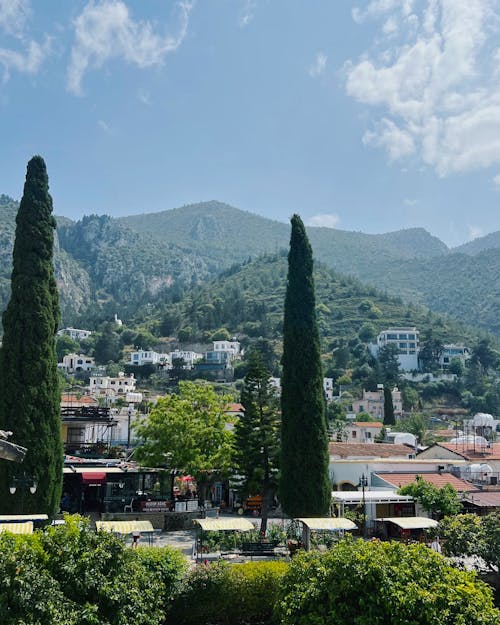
(363, 482)
(23, 482)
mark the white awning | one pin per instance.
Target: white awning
(85, 469)
(23, 517)
(328, 524)
(17, 528)
(412, 522)
(124, 527)
(370, 496)
(225, 524)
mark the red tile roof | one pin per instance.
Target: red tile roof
(370, 450)
(368, 424)
(485, 499)
(467, 451)
(73, 400)
(437, 479)
(235, 408)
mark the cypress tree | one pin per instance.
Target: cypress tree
(389, 418)
(305, 486)
(29, 387)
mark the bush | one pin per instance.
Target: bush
(224, 594)
(377, 583)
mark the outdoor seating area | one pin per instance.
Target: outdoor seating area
(128, 528)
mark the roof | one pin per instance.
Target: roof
(411, 522)
(73, 400)
(332, 523)
(124, 527)
(235, 408)
(17, 528)
(437, 479)
(467, 450)
(226, 524)
(23, 517)
(484, 499)
(449, 433)
(368, 424)
(369, 496)
(371, 450)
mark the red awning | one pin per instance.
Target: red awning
(96, 478)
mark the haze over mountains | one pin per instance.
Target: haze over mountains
(105, 265)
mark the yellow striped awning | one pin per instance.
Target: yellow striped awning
(225, 524)
(17, 528)
(124, 527)
(411, 522)
(331, 523)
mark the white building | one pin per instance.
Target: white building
(452, 351)
(327, 387)
(363, 431)
(74, 333)
(406, 341)
(233, 348)
(112, 387)
(145, 357)
(71, 363)
(188, 357)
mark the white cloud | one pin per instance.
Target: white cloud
(496, 180)
(14, 17)
(319, 65)
(144, 96)
(105, 30)
(475, 232)
(431, 82)
(104, 126)
(324, 220)
(410, 202)
(247, 13)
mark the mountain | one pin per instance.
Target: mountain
(481, 244)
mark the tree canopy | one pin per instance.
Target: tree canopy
(439, 502)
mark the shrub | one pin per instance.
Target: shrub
(377, 583)
(224, 594)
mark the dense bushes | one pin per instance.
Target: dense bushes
(224, 594)
(72, 575)
(377, 583)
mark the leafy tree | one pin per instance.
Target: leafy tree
(431, 349)
(222, 334)
(456, 366)
(189, 431)
(108, 345)
(66, 345)
(389, 418)
(367, 332)
(305, 485)
(410, 397)
(439, 502)
(389, 363)
(257, 438)
(473, 535)
(418, 425)
(374, 583)
(29, 384)
(484, 354)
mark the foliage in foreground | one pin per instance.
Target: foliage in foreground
(378, 583)
(224, 594)
(71, 575)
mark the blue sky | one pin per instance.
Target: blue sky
(370, 115)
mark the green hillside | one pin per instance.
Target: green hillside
(481, 244)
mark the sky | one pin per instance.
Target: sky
(367, 115)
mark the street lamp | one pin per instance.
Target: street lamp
(23, 482)
(363, 482)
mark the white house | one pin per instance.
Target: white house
(71, 363)
(406, 341)
(112, 387)
(189, 358)
(74, 333)
(327, 387)
(233, 348)
(363, 431)
(452, 351)
(145, 357)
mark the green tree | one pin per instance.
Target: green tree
(257, 435)
(305, 486)
(108, 345)
(430, 351)
(374, 583)
(389, 418)
(189, 431)
(66, 345)
(389, 363)
(29, 384)
(439, 502)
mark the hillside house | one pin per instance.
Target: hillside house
(327, 387)
(363, 431)
(145, 357)
(406, 341)
(72, 363)
(85, 426)
(372, 402)
(112, 387)
(452, 351)
(189, 358)
(74, 333)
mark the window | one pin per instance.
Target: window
(354, 433)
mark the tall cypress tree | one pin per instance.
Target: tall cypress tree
(305, 486)
(389, 418)
(29, 388)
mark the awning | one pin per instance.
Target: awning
(226, 524)
(370, 496)
(412, 522)
(94, 478)
(17, 528)
(11, 451)
(328, 524)
(124, 527)
(23, 517)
